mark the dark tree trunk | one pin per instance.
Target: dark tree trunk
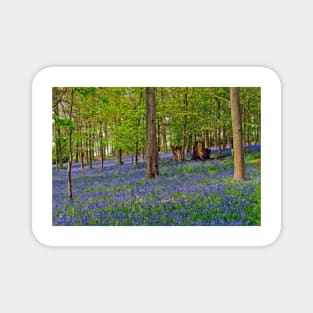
(136, 152)
(81, 149)
(218, 135)
(101, 146)
(118, 160)
(239, 167)
(159, 135)
(69, 169)
(151, 140)
(90, 151)
(87, 151)
(57, 132)
(77, 152)
(81, 156)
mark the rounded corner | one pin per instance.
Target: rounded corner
(272, 73)
(38, 239)
(41, 73)
(274, 238)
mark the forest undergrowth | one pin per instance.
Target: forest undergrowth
(185, 194)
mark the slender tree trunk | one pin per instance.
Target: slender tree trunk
(87, 150)
(76, 152)
(90, 150)
(206, 138)
(249, 133)
(185, 122)
(69, 169)
(57, 132)
(101, 146)
(136, 144)
(60, 152)
(244, 128)
(239, 167)
(118, 160)
(81, 155)
(224, 138)
(209, 140)
(151, 140)
(159, 135)
(57, 148)
(218, 135)
(136, 152)
(164, 139)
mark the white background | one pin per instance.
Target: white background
(36, 34)
(262, 77)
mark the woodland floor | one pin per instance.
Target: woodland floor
(189, 193)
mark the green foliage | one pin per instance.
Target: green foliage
(85, 91)
(253, 156)
(62, 122)
(104, 100)
(115, 116)
(64, 155)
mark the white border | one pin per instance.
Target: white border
(262, 235)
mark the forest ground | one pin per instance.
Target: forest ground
(185, 193)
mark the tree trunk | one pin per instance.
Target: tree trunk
(151, 140)
(101, 146)
(90, 151)
(218, 135)
(185, 122)
(209, 140)
(76, 152)
(206, 138)
(57, 132)
(244, 127)
(164, 140)
(239, 167)
(57, 147)
(224, 139)
(158, 135)
(118, 160)
(136, 152)
(69, 169)
(87, 151)
(81, 155)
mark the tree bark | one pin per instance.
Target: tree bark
(218, 134)
(119, 157)
(81, 154)
(151, 140)
(58, 143)
(69, 169)
(206, 138)
(185, 122)
(101, 146)
(224, 138)
(239, 168)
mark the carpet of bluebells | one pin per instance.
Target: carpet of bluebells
(190, 193)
